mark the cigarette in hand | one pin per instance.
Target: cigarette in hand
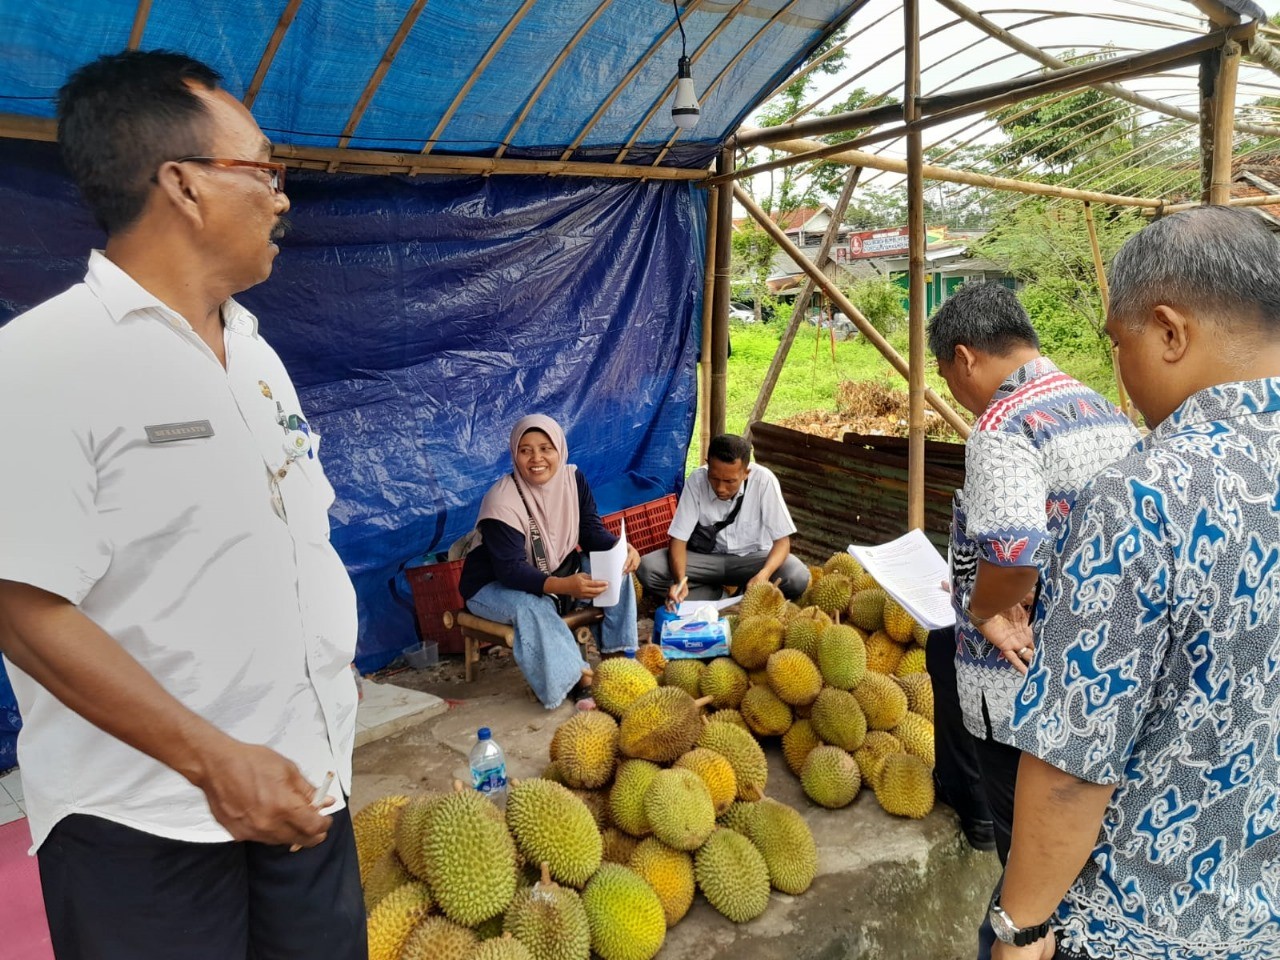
(317, 800)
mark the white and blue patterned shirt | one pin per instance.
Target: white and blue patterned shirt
(1157, 669)
(1042, 437)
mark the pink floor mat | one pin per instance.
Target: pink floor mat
(26, 933)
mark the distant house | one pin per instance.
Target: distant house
(1259, 176)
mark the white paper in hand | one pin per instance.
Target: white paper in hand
(607, 565)
(911, 571)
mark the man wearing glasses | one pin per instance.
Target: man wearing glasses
(178, 624)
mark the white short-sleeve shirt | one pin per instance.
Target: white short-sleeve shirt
(764, 516)
(238, 605)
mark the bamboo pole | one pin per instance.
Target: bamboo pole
(1105, 291)
(847, 308)
(720, 318)
(802, 302)
(139, 27)
(1256, 48)
(1262, 201)
(1224, 97)
(380, 71)
(708, 297)
(273, 44)
(916, 265)
(1147, 103)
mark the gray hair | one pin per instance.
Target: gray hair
(1219, 264)
(981, 316)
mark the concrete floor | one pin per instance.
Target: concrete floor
(887, 888)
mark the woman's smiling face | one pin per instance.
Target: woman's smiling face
(537, 458)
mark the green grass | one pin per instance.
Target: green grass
(810, 376)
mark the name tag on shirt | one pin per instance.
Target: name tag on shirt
(169, 432)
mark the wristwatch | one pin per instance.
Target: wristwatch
(1008, 932)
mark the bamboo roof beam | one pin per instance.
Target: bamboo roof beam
(1256, 48)
(724, 71)
(546, 77)
(380, 71)
(624, 83)
(498, 42)
(139, 27)
(703, 47)
(1147, 103)
(269, 54)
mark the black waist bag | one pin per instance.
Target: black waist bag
(703, 539)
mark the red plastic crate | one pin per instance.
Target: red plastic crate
(435, 591)
(647, 523)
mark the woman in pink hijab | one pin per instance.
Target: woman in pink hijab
(536, 525)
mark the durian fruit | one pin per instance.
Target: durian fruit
(374, 828)
(803, 632)
(588, 747)
(866, 609)
(898, 624)
(436, 938)
(881, 700)
(789, 612)
(651, 657)
(919, 690)
(832, 594)
(864, 581)
(871, 755)
(830, 777)
(912, 662)
(793, 677)
(739, 816)
(685, 674)
(756, 678)
(716, 772)
(905, 786)
(724, 682)
(787, 845)
(597, 801)
(408, 834)
(552, 826)
(838, 719)
(625, 915)
(916, 735)
(754, 640)
(618, 846)
(492, 928)
(618, 681)
(766, 715)
(844, 564)
(728, 716)
(797, 742)
(732, 875)
(626, 799)
(670, 873)
(743, 753)
(470, 857)
(762, 600)
(502, 948)
(386, 875)
(553, 748)
(920, 634)
(679, 808)
(394, 917)
(550, 921)
(553, 773)
(660, 725)
(883, 654)
(842, 657)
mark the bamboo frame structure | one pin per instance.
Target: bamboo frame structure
(380, 71)
(140, 17)
(1224, 103)
(1105, 291)
(269, 52)
(708, 307)
(720, 316)
(911, 106)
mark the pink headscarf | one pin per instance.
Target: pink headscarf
(554, 504)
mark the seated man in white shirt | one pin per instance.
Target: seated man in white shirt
(731, 528)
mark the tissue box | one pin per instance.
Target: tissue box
(695, 638)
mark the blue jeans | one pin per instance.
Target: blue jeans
(544, 648)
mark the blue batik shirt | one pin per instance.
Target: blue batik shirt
(1157, 669)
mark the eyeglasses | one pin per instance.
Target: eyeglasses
(274, 170)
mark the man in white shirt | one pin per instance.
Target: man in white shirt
(731, 528)
(178, 625)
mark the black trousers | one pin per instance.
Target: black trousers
(999, 765)
(115, 893)
(956, 767)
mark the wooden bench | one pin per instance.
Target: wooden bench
(477, 630)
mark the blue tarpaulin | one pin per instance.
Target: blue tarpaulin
(420, 318)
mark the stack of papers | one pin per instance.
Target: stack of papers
(911, 571)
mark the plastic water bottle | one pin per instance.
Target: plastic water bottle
(489, 768)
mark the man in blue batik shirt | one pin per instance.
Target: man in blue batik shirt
(1147, 820)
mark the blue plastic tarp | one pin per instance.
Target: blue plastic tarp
(421, 317)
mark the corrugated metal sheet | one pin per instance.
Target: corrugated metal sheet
(855, 490)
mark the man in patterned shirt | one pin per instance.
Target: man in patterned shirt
(1039, 437)
(1148, 821)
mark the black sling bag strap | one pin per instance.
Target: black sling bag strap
(704, 534)
(567, 569)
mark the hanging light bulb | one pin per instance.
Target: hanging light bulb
(684, 109)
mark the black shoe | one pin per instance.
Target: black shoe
(981, 834)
